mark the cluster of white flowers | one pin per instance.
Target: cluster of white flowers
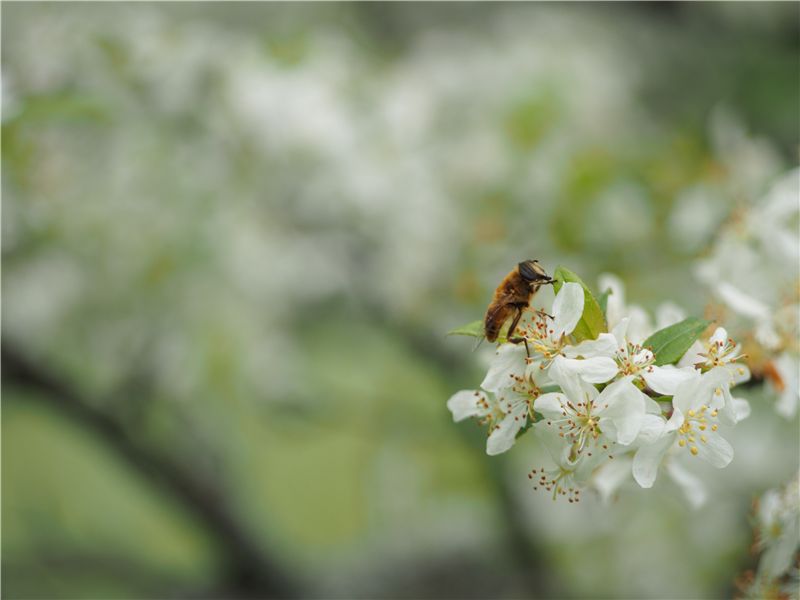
(607, 408)
(752, 272)
(777, 530)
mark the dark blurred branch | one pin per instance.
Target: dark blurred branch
(251, 572)
(521, 548)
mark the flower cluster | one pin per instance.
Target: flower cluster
(752, 272)
(777, 533)
(609, 405)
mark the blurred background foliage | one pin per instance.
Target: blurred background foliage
(234, 236)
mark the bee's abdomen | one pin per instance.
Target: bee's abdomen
(493, 321)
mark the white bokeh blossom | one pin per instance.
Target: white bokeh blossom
(752, 271)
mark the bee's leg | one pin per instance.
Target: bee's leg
(513, 326)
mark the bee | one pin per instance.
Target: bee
(512, 297)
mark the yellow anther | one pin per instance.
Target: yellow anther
(740, 370)
(714, 427)
(691, 412)
(703, 439)
(681, 443)
(714, 413)
(718, 391)
(694, 450)
(702, 427)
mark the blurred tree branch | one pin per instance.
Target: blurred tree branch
(251, 572)
(522, 550)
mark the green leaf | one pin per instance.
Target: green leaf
(672, 342)
(603, 302)
(474, 329)
(592, 322)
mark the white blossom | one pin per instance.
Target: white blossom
(588, 420)
(752, 271)
(631, 360)
(700, 404)
(778, 529)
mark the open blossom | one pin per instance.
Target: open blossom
(777, 533)
(631, 360)
(700, 405)
(778, 528)
(505, 413)
(588, 420)
(720, 351)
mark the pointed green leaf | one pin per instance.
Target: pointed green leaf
(474, 329)
(672, 342)
(592, 322)
(603, 302)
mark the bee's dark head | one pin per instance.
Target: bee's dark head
(532, 272)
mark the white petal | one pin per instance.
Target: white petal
(789, 373)
(778, 558)
(598, 369)
(644, 355)
(781, 199)
(691, 484)
(653, 428)
(568, 308)
(640, 326)
(464, 404)
(767, 335)
(557, 447)
(572, 385)
(716, 450)
(716, 392)
(668, 314)
(687, 393)
(623, 404)
(550, 405)
(615, 306)
(742, 303)
(739, 372)
(540, 377)
(505, 433)
(651, 406)
(620, 331)
(605, 345)
(720, 335)
(611, 475)
(692, 356)
(665, 380)
(742, 408)
(508, 362)
(648, 458)
(769, 506)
